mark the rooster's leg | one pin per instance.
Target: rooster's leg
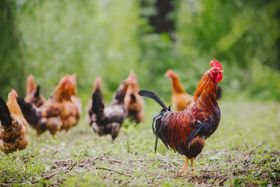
(185, 168)
(193, 164)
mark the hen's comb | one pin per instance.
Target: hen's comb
(216, 64)
(30, 79)
(31, 85)
(132, 77)
(69, 78)
(13, 93)
(170, 72)
(97, 82)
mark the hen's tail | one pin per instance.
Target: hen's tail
(37, 92)
(29, 112)
(152, 95)
(5, 115)
(97, 105)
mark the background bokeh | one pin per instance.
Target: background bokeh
(110, 38)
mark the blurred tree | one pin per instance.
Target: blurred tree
(240, 33)
(157, 36)
(88, 38)
(161, 18)
(112, 37)
(12, 63)
(232, 30)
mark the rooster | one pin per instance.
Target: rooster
(33, 92)
(134, 104)
(107, 120)
(13, 127)
(180, 98)
(185, 131)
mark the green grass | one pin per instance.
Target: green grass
(244, 150)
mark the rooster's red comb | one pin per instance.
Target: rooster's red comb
(216, 64)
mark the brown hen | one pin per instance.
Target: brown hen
(13, 127)
(134, 104)
(180, 98)
(65, 97)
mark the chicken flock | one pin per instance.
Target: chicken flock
(184, 130)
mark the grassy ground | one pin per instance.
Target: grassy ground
(244, 150)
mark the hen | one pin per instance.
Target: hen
(134, 104)
(180, 98)
(43, 118)
(64, 99)
(13, 127)
(185, 131)
(107, 120)
(33, 92)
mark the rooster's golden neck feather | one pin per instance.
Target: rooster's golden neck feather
(205, 94)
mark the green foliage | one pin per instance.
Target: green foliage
(87, 38)
(265, 82)
(242, 34)
(236, 31)
(112, 37)
(10, 52)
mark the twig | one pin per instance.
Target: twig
(141, 160)
(50, 176)
(111, 160)
(124, 184)
(62, 161)
(73, 165)
(5, 184)
(149, 160)
(65, 172)
(108, 169)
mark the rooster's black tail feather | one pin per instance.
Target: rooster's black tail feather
(152, 95)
